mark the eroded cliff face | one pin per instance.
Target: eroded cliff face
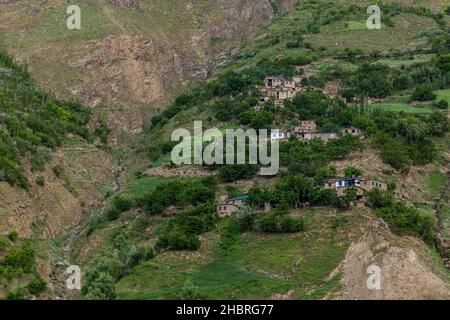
(130, 56)
(406, 269)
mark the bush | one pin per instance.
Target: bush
(289, 224)
(40, 181)
(406, 220)
(351, 172)
(102, 287)
(58, 170)
(13, 236)
(423, 93)
(20, 258)
(122, 202)
(280, 221)
(100, 277)
(36, 286)
(112, 214)
(379, 199)
(15, 295)
(178, 240)
(441, 104)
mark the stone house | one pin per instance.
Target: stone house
(352, 131)
(307, 130)
(279, 89)
(306, 126)
(232, 205)
(362, 187)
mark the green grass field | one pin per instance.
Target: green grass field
(421, 58)
(141, 188)
(256, 266)
(443, 95)
(397, 107)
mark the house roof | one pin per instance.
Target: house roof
(241, 197)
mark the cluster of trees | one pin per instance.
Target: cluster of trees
(294, 191)
(181, 233)
(401, 218)
(19, 260)
(181, 193)
(405, 139)
(101, 275)
(32, 122)
(276, 221)
(370, 80)
(311, 159)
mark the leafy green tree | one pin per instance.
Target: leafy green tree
(21, 258)
(36, 286)
(102, 287)
(423, 93)
(352, 172)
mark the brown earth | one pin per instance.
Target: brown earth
(134, 71)
(407, 269)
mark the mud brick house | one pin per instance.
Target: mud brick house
(362, 187)
(232, 205)
(279, 89)
(306, 126)
(352, 131)
(307, 130)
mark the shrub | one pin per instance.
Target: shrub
(40, 181)
(13, 236)
(280, 221)
(406, 220)
(100, 277)
(269, 223)
(58, 170)
(112, 214)
(245, 219)
(379, 199)
(36, 286)
(20, 258)
(178, 240)
(102, 287)
(289, 224)
(4, 244)
(15, 295)
(351, 172)
(441, 104)
(122, 202)
(423, 93)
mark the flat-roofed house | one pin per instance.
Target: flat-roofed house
(278, 89)
(278, 136)
(232, 205)
(352, 131)
(306, 126)
(361, 185)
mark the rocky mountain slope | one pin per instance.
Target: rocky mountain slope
(130, 57)
(128, 63)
